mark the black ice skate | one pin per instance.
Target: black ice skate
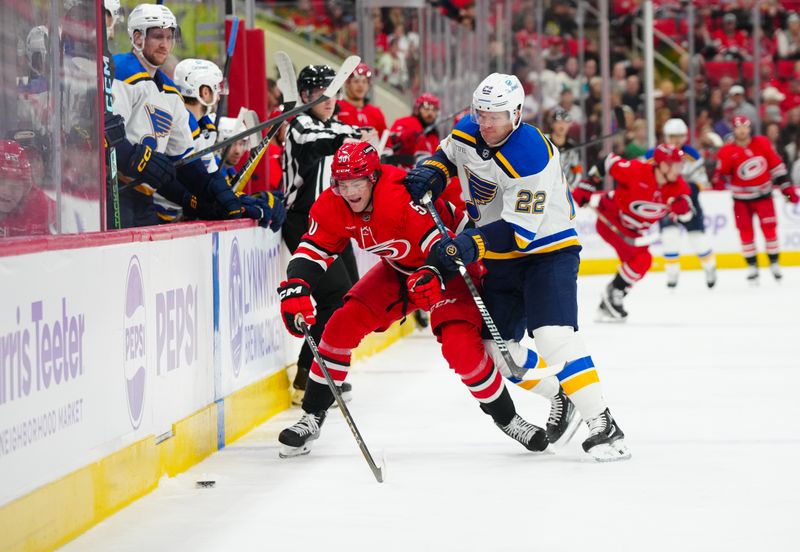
(752, 274)
(532, 437)
(563, 421)
(611, 308)
(776, 271)
(297, 439)
(606, 442)
(711, 276)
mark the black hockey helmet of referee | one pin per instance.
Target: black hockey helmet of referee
(314, 77)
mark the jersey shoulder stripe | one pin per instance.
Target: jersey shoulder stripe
(128, 69)
(526, 153)
(690, 153)
(206, 123)
(466, 132)
(193, 125)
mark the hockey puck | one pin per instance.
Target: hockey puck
(207, 484)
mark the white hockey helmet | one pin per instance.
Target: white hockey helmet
(113, 7)
(191, 74)
(675, 127)
(36, 45)
(499, 93)
(149, 16)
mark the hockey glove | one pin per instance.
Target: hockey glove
(296, 300)
(582, 193)
(468, 247)
(276, 211)
(113, 130)
(431, 177)
(425, 286)
(790, 193)
(231, 205)
(680, 209)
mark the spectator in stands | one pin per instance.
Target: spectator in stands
(568, 77)
(589, 72)
(724, 126)
(274, 95)
(632, 96)
(771, 106)
(355, 108)
(567, 103)
(740, 103)
(789, 39)
(731, 43)
(619, 77)
(392, 66)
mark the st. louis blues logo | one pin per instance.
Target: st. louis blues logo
(481, 192)
(160, 120)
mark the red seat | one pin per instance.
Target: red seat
(786, 69)
(749, 70)
(715, 70)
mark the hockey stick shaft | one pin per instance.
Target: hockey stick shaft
(516, 371)
(221, 106)
(376, 470)
(347, 68)
(112, 181)
(255, 158)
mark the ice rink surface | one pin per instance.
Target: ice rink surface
(703, 382)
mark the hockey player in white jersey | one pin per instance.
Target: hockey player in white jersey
(676, 134)
(157, 122)
(518, 199)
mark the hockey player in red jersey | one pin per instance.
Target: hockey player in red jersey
(368, 202)
(413, 135)
(355, 109)
(753, 166)
(644, 194)
(25, 210)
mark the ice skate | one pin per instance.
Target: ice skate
(422, 318)
(611, 308)
(297, 439)
(777, 273)
(711, 276)
(563, 421)
(532, 437)
(606, 441)
(752, 274)
(673, 271)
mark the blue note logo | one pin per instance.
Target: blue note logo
(160, 120)
(481, 192)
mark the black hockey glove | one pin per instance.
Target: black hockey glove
(113, 130)
(430, 176)
(231, 205)
(469, 246)
(277, 212)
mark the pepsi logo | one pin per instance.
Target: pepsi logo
(134, 360)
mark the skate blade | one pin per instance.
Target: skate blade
(610, 452)
(604, 318)
(572, 428)
(290, 452)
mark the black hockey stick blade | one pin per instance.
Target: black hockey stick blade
(377, 471)
(345, 71)
(517, 371)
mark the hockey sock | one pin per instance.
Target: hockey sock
(773, 258)
(751, 261)
(579, 377)
(318, 397)
(525, 358)
(463, 350)
(619, 283)
(702, 248)
(501, 409)
(670, 241)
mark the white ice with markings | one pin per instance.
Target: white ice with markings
(703, 382)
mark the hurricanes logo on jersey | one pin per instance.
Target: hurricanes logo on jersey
(394, 249)
(160, 120)
(752, 168)
(481, 192)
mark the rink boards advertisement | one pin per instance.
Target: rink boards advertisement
(720, 227)
(99, 348)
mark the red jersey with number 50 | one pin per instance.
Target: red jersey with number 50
(751, 168)
(638, 200)
(396, 229)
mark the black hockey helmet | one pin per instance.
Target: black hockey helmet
(314, 76)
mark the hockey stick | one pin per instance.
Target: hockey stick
(516, 371)
(112, 182)
(287, 83)
(227, 68)
(347, 68)
(376, 470)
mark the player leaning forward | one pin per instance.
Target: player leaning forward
(517, 196)
(367, 202)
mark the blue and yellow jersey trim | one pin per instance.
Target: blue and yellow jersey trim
(526, 153)
(578, 374)
(528, 244)
(128, 69)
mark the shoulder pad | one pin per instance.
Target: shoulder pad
(128, 69)
(466, 131)
(690, 153)
(527, 152)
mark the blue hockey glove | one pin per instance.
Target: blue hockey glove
(431, 176)
(223, 194)
(277, 212)
(469, 246)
